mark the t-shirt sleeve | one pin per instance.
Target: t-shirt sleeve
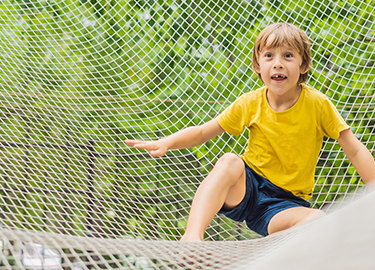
(332, 121)
(232, 118)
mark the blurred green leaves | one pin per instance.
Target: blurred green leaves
(93, 70)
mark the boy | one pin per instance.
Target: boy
(269, 184)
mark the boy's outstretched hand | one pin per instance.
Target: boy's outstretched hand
(156, 148)
(185, 138)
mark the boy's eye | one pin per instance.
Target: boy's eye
(288, 55)
(268, 55)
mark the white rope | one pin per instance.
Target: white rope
(78, 77)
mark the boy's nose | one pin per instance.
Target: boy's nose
(278, 63)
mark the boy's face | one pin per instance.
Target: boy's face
(279, 68)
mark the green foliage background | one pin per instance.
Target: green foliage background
(78, 77)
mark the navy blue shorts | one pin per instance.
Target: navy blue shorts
(262, 201)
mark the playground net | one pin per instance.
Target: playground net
(79, 77)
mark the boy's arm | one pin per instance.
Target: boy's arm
(358, 155)
(185, 138)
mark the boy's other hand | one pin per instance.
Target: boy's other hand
(156, 148)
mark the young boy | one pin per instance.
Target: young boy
(269, 184)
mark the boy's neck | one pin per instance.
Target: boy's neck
(283, 102)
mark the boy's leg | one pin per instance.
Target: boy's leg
(224, 186)
(293, 217)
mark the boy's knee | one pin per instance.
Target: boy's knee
(313, 215)
(293, 217)
(231, 166)
(317, 213)
(230, 160)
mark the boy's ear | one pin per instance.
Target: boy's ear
(303, 70)
(256, 69)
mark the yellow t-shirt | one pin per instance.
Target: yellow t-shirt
(283, 147)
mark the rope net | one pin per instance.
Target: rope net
(79, 77)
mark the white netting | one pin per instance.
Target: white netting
(78, 77)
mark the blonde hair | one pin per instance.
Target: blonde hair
(284, 33)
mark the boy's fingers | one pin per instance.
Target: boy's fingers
(147, 145)
(155, 150)
(136, 143)
(131, 142)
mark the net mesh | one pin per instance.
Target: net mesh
(79, 77)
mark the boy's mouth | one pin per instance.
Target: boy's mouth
(278, 77)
